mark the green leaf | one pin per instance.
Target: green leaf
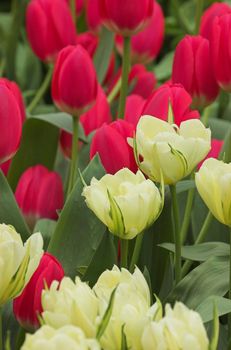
(163, 69)
(206, 308)
(38, 146)
(200, 252)
(106, 317)
(9, 210)
(219, 128)
(103, 54)
(185, 185)
(78, 232)
(46, 227)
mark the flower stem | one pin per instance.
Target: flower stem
(187, 215)
(73, 11)
(125, 72)
(124, 253)
(229, 316)
(74, 155)
(41, 91)
(177, 237)
(200, 239)
(199, 10)
(1, 335)
(136, 251)
(115, 91)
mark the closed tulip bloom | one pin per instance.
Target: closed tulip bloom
(220, 48)
(216, 147)
(213, 182)
(192, 67)
(168, 151)
(49, 27)
(14, 88)
(217, 9)
(158, 104)
(126, 17)
(28, 305)
(74, 83)
(117, 200)
(133, 109)
(68, 337)
(39, 194)
(10, 123)
(92, 15)
(112, 140)
(89, 41)
(18, 261)
(146, 45)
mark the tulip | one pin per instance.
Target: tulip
(133, 109)
(70, 303)
(39, 194)
(214, 186)
(146, 45)
(170, 152)
(68, 337)
(74, 84)
(18, 261)
(216, 147)
(14, 88)
(92, 15)
(110, 71)
(217, 9)
(118, 199)
(89, 41)
(28, 305)
(158, 103)
(5, 167)
(10, 123)
(110, 142)
(49, 27)
(220, 49)
(192, 67)
(126, 17)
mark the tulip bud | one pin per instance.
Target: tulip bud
(92, 15)
(18, 261)
(74, 84)
(89, 41)
(112, 140)
(214, 186)
(28, 305)
(170, 152)
(133, 109)
(39, 194)
(68, 337)
(145, 46)
(49, 27)
(220, 49)
(216, 147)
(14, 88)
(124, 17)
(192, 67)
(10, 123)
(217, 9)
(118, 199)
(158, 103)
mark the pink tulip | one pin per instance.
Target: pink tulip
(133, 109)
(89, 41)
(14, 88)
(92, 15)
(216, 147)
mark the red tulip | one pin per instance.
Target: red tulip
(49, 27)
(158, 103)
(10, 123)
(28, 305)
(110, 71)
(39, 194)
(5, 167)
(91, 120)
(89, 41)
(133, 109)
(216, 9)
(146, 45)
(14, 88)
(216, 147)
(126, 17)
(74, 84)
(192, 67)
(92, 15)
(110, 142)
(221, 48)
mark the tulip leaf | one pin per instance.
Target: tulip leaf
(38, 146)
(200, 252)
(106, 317)
(206, 308)
(103, 54)
(163, 69)
(78, 227)
(9, 210)
(209, 278)
(46, 227)
(185, 185)
(219, 128)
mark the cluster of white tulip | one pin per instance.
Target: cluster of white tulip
(116, 313)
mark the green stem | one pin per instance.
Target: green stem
(187, 215)
(183, 23)
(125, 72)
(124, 252)
(73, 10)
(74, 155)
(1, 335)
(20, 338)
(200, 239)
(115, 91)
(229, 316)
(199, 11)
(136, 251)
(177, 237)
(41, 91)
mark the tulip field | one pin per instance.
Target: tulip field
(115, 175)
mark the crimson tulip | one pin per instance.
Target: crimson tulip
(27, 307)
(133, 109)
(110, 142)
(14, 88)
(49, 27)
(89, 41)
(192, 67)
(92, 15)
(216, 147)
